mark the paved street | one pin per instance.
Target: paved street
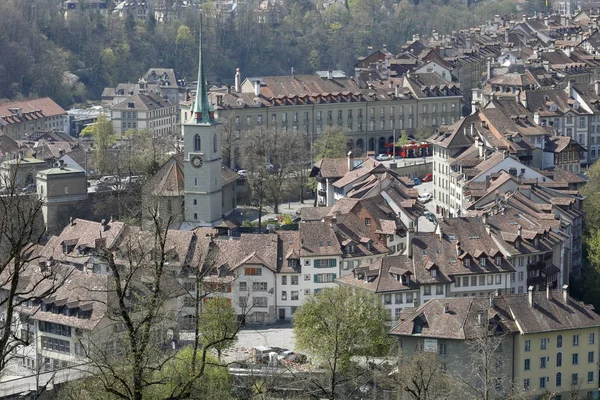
(424, 224)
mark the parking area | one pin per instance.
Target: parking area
(271, 336)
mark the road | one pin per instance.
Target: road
(424, 224)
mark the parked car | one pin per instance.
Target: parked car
(291, 356)
(108, 180)
(416, 181)
(429, 215)
(427, 178)
(425, 197)
(383, 157)
(243, 172)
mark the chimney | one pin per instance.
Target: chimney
(257, 88)
(548, 292)
(409, 238)
(569, 88)
(446, 308)
(530, 295)
(536, 118)
(458, 250)
(565, 293)
(228, 89)
(397, 91)
(329, 74)
(597, 87)
(237, 80)
(350, 161)
(487, 181)
(484, 217)
(520, 231)
(506, 36)
(71, 221)
(489, 68)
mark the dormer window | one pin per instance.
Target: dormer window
(369, 246)
(368, 221)
(482, 261)
(467, 262)
(433, 272)
(536, 242)
(498, 260)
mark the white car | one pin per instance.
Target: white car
(383, 157)
(425, 197)
(242, 172)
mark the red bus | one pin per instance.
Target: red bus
(411, 150)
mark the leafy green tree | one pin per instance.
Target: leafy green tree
(591, 204)
(332, 143)
(336, 325)
(403, 139)
(102, 133)
(217, 319)
(215, 385)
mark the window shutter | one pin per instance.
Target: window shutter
(334, 276)
(334, 262)
(316, 264)
(316, 278)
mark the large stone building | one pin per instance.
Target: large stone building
(310, 103)
(20, 119)
(145, 111)
(538, 342)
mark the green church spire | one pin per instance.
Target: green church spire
(202, 110)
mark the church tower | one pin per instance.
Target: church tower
(202, 158)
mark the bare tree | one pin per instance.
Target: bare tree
(135, 355)
(422, 377)
(270, 157)
(21, 229)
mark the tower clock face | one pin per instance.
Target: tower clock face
(197, 161)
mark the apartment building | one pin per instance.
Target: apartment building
(75, 7)
(544, 341)
(21, 119)
(145, 111)
(568, 117)
(588, 97)
(310, 103)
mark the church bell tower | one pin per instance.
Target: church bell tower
(202, 158)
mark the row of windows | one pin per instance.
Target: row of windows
(473, 280)
(294, 279)
(63, 346)
(295, 294)
(320, 115)
(559, 341)
(544, 380)
(55, 329)
(544, 361)
(399, 298)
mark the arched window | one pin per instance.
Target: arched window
(215, 143)
(558, 379)
(195, 216)
(559, 341)
(559, 359)
(197, 146)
